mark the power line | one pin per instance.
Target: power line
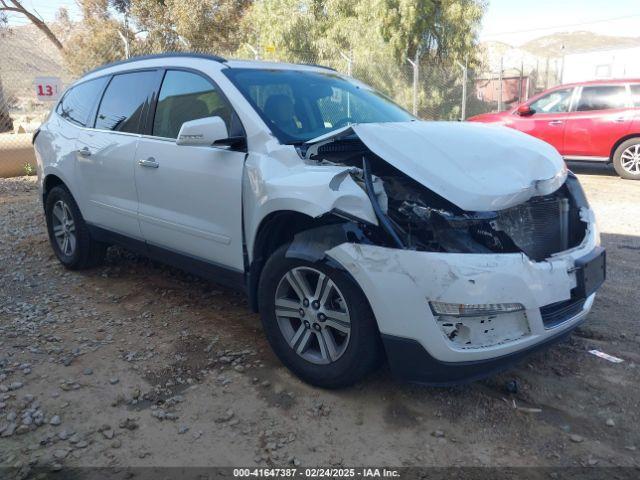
(551, 27)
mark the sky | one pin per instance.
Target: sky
(518, 21)
(511, 21)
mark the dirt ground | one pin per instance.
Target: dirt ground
(138, 364)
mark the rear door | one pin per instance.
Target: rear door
(106, 153)
(190, 196)
(550, 114)
(603, 115)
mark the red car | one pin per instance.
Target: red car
(596, 121)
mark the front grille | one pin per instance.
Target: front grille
(556, 313)
(538, 227)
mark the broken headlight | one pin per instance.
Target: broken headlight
(480, 325)
(473, 310)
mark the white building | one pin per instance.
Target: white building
(601, 64)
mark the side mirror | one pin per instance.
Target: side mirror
(524, 110)
(203, 131)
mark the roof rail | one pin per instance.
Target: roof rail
(206, 56)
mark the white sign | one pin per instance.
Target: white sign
(48, 88)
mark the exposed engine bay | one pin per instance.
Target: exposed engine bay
(413, 217)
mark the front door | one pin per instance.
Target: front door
(603, 115)
(190, 196)
(548, 121)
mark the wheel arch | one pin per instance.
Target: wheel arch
(50, 181)
(274, 230)
(620, 142)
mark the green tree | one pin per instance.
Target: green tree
(204, 25)
(379, 36)
(95, 39)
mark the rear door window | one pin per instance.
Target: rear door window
(126, 101)
(186, 96)
(79, 101)
(602, 97)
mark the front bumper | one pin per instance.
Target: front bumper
(400, 283)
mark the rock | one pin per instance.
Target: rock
(116, 443)
(228, 415)
(9, 430)
(22, 429)
(108, 434)
(576, 438)
(60, 454)
(610, 422)
(55, 420)
(88, 371)
(113, 380)
(82, 444)
(128, 423)
(16, 385)
(437, 433)
(63, 435)
(183, 429)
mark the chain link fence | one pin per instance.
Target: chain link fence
(429, 89)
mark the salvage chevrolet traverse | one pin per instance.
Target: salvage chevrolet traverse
(357, 231)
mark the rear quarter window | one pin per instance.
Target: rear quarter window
(78, 102)
(635, 94)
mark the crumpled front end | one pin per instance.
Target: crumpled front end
(457, 292)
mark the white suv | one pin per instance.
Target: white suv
(355, 229)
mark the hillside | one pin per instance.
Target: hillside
(25, 54)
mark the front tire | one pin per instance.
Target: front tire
(317, 321)
(68, 233)
(626, 159)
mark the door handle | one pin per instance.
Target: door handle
(620, 120)
(149, 163)
(556, 122)
(84, 152)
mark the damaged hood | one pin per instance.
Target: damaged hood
(477, 167)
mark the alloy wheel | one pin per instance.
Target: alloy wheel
(630, 159)
(312, 315)
(64, 228)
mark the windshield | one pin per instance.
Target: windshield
(301, 105)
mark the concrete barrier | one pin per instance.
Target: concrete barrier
(16, 151)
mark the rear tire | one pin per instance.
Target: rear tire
(68, 233)
(340, 349)
(626, 159)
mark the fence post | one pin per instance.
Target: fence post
(6, 124)
(349, 60)
(256, 54)
(500, 84)
(463, 105)
(416, 73)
